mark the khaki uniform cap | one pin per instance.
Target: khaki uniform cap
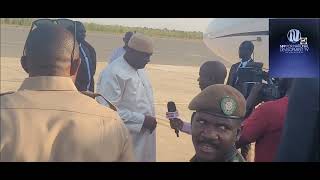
(221, 100)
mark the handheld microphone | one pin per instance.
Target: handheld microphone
(172, 108)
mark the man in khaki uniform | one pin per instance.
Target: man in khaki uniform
(215, 126)
(47, 119)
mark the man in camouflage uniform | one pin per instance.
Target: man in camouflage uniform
(216, 122)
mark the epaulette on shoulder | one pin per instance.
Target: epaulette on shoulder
(5, 93)
(94, 95)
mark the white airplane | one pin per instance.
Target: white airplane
(224, 36)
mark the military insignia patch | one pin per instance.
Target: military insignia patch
(228, 105)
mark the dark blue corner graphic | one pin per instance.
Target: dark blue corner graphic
(294, 46)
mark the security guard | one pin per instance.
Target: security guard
(47, 119)
(219, 110)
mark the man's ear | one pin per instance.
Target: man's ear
(24, 63)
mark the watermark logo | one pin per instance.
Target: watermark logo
(294, 36)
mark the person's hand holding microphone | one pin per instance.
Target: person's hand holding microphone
(172, 115)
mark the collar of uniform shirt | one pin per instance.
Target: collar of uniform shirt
(48, 83)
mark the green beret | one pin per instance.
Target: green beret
(220, 100)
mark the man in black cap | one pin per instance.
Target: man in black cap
(216, 124)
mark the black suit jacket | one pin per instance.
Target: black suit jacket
(233, 77)
(233, 74)
(82, 76)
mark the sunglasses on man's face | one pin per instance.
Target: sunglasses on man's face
(63, 22)
(66, 23)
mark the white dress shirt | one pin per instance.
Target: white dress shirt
(244, 64)
(131, 92)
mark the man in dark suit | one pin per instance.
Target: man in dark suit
(87, 69)
(245, 51)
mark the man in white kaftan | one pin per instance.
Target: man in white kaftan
(125, 84)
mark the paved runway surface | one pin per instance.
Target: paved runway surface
(167, 51)
(177, 83)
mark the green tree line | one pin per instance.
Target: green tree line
(116, 29)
